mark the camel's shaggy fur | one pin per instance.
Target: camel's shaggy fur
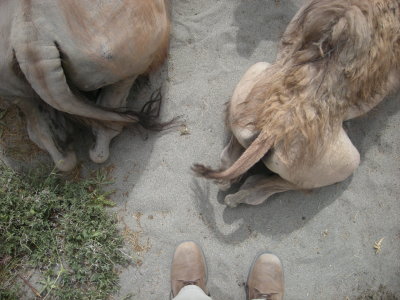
(337, 60)
(52, 52)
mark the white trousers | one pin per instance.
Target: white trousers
(192, 292)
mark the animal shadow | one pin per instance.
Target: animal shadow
(286, 212)
(280, 215)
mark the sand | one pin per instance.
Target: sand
(325, 239)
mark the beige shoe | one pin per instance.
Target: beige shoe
(188, 268)
(265, 279)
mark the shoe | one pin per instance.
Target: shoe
(188, 268)
(265, 280)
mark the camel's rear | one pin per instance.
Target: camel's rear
(336, 56)
(59, 49)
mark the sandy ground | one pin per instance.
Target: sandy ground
(325, 239)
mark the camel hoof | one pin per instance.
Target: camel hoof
(67, 163)
(230, 201)
(224, 186)
(99, 154)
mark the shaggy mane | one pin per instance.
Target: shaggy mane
(337, 54)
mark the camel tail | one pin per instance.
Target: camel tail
(260, 146)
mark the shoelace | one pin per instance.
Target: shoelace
(261, 296)
(185, 283)
(188, 282)
(264, 296)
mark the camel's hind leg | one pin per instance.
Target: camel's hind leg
(114, 97)
(48, 129)
(257, 189)
(242, 136)
(338, 162)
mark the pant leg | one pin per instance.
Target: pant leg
(192, 292)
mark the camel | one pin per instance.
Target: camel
(337, 60)
(54, 52)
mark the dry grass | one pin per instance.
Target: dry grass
(14, 139)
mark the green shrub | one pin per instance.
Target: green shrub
(61, 230)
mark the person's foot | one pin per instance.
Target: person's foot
(188, 268)
(265, 279)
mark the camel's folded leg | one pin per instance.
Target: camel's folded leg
(229, 155)
(242, 135)
(337, 163)
(257, 189)
(48, 129)
(339, 160)
(113, 96)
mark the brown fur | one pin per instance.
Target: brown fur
(249, 158)
(59, 50)
(162, 52)
(337, 56)
(86, 27)
(343, 59)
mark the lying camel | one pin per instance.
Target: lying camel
(55, 51)
(337, 60)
